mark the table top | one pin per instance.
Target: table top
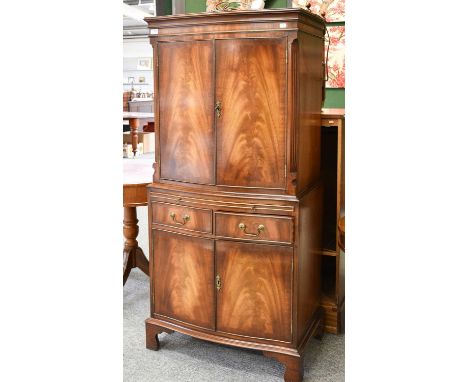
(333, 113)
(138, 170)
(136, 115)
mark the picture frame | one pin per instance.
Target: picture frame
(130, 80)
(145, 63)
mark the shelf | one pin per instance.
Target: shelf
(329, 240)
(138, 70)
(328, 299)
(136, 83)
(328, 252)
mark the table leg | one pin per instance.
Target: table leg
(133, 256)
(134, 132)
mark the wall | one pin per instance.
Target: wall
(137, 48)
(132, 49)
(334, 98)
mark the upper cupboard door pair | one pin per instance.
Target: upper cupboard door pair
(222, 112)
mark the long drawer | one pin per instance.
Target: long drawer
(254, 227)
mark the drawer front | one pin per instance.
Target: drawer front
(254, 227)
(193, 219)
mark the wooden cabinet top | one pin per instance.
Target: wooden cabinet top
(269, 19)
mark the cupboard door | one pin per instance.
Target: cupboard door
(250, 91)
(183, 278)
(254, 298)
(186, 111)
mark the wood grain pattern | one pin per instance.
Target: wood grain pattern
(310, 81)
(133, 256)
(186, 111)
(250, 83)
(334, 315)
(276, 228)
(309, 259)
(255, 295)
(199, 219)
(333, 175)
(341, 230)
(183, 278)
(239, 21)
(152, 331)
(134, 194)
(219, 201)
(267, 73)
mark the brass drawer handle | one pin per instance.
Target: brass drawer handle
(218, 109)
(260, 229)
(218, 282)
(185, 219)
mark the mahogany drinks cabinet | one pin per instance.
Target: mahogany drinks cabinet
(235, 207)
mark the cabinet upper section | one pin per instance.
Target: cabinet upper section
(237, 100)
(288, 19)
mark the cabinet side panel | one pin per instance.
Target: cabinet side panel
(310, 79)
(183, 279)
(186, 111)
(309, 258)
(250, 89)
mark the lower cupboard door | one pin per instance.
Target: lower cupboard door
(254, 295)
(183, 278)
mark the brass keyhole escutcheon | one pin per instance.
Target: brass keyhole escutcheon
(218, 109)
(218, 282)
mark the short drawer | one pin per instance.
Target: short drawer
(194, 219)
(254, 227)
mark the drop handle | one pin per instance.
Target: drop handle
(185, 218)
(218, 109)
(243, 228)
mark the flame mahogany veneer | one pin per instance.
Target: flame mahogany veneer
(235, 207)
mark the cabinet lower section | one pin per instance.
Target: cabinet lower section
(183, 271)
(238, 270)
(250, 285)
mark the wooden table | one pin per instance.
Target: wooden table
(133, 118)
(137, 175)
